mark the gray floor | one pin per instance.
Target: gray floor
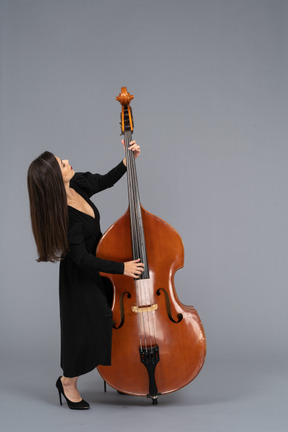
(226, 396)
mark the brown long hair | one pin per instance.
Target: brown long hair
(48, 208)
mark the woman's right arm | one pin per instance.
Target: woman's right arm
(89, 263)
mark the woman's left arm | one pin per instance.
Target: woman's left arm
(93, 183)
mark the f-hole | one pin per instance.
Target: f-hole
(122, 314)
(168, 307)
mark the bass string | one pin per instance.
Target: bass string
(143, 291)
(132, 201)
(149, 316)
(147, 291)
(127, 139)
(130, 196)
(139, 237)
(145, 286)
(135, 236)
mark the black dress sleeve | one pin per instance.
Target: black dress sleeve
(88, 262)
(93, 183)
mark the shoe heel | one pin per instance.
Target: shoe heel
(58, 385)
(60, 397)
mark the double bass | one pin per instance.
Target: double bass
(158, 343)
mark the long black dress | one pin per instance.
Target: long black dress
(85, 316)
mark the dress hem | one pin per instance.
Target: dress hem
(70, 375)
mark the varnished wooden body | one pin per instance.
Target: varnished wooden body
(182, 346)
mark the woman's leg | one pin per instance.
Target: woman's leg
(70, 388)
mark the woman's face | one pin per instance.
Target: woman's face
(66, 169)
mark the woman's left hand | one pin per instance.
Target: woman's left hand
(133, 146)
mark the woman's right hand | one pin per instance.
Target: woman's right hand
(133, 268)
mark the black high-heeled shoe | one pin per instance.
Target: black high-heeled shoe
(82, 405)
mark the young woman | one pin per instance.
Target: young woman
(66, 228)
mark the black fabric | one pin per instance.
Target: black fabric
(85, 314)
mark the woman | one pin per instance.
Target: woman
(66, 228)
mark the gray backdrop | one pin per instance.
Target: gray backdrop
(210, 110)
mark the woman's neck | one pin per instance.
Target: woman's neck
(69, 192)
